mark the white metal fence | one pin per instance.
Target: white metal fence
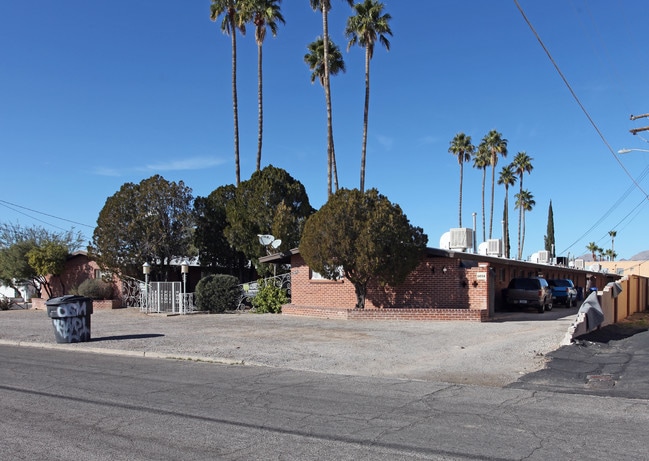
(165, 297)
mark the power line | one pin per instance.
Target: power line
(6, 204)
(583, 109)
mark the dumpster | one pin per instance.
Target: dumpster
(70, 316)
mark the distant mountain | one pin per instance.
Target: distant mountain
(642, 256)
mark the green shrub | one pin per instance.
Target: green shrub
(269, 298)
(217, 293)
(95, 289)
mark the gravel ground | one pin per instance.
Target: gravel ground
(496, 353)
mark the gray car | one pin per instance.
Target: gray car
(529, 291)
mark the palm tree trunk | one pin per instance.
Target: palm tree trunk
(506, 219)
(493, 184)
(260, 104)
(235, 102)
(365, 117)
(520, 219)
(519, 253)
(330, 142)
(522, 237)
(461, 181)
(484, 227)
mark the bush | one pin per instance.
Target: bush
(217, 293)
(95, 289)
(269, 298)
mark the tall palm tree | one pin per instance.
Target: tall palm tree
(524, 201)
(612, 234)
(232, 20)
(506, 178)
(481, 161)
(315, 59)
(522, 164)
(364, 28)
(324, 6)
(462, 148)
(496, 145)
(264, 14)
(592, 247)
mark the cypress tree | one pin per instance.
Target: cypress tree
(549, 237)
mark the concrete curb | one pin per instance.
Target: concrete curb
(122, 352)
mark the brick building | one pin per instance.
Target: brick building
(447, 285)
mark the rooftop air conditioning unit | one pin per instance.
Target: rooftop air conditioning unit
(579, 263)
(461, 239)
(544, 256)
(494, 247)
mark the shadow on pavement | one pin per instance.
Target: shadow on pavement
(126, 337)
(608, 333)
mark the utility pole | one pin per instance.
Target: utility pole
(635, 131)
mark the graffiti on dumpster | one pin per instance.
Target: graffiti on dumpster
(73, 329)
(72, 309)
(71, 322)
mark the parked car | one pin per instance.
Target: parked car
(563, 292)
(529, 291)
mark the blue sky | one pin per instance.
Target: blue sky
(96, 94)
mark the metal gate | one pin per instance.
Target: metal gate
(159, 297)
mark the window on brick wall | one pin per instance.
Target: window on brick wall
(318, 276)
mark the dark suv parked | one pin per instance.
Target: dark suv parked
(529, 291)
(563, 292)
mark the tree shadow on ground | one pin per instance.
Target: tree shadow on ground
(127, 337)
(611, 333)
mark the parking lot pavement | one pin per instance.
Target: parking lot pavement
(493, 353)
(612, 361)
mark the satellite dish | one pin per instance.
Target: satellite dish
(265, 239)
(276, 243)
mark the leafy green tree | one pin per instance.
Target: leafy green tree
(147, 222)
(14, 265)
(496, 145)
(264, 15)
(324, 6)
(315, 59)
(506, 178)
(365, 236)
(481, 161)
(368, 25)
(549, 236)
(14, 233)
(48, 259)
(214, 250)
(462, 148)
(233, 20)
(17, 242)
(270, 202)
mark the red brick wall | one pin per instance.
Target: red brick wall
(437, 283)
(77, 269)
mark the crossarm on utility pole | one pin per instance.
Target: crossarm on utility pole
(637, 130)
(636, 117)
